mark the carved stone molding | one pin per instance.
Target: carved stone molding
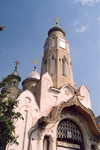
(40, 136)
(76, 105)
(53, 139)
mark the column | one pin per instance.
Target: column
(53, 144)
(40, 144)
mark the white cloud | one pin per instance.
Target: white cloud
(87, 2)
(82, 29)
(76, 22)
(99, 19)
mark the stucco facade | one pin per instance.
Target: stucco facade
(57, 115)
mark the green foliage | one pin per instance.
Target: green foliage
(3, 86)
(6, 81)
(8, 115)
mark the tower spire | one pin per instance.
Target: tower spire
(56, 60)
(35, 67)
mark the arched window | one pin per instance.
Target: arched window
(15, 83)
(52, 64)
(64, 66)
(69, 136)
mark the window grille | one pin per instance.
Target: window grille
(68, 130)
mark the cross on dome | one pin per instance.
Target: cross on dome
(56, 21)
(35, 62)
(16, 63)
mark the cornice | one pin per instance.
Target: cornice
(76, 105)
(59, 89)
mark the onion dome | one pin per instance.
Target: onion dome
(56, 28)
(15, 73)
(33, 75)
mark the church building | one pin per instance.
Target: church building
(57, 114)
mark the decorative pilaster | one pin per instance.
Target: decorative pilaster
(53, 144)
(40, 144)
(88, 146)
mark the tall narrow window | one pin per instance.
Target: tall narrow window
(92, 147)
(44, 67)
(15, 83)
(64, 67)
(53, 41)
(46, 143)
(52, 65)
(46, 46)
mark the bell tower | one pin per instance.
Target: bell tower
(56, 60)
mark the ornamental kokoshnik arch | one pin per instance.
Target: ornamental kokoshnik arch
(69, 136)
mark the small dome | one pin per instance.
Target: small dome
(34, 75)
(15, 74)
(56, 28)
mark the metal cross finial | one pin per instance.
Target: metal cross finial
(35, 61)
(56, 21)
(16, 62)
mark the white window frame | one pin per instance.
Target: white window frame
(62, 43)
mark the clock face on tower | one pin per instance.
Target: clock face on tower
(46, 46)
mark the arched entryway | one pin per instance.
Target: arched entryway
(69, 136)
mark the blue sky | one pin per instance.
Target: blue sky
(26, 26)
